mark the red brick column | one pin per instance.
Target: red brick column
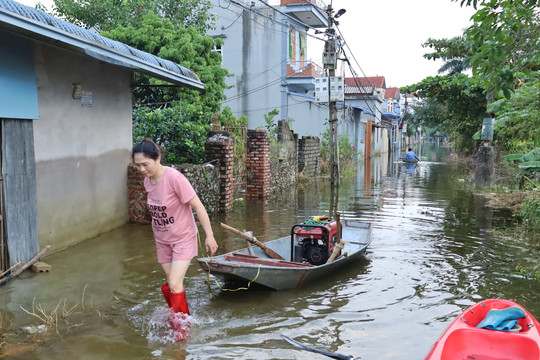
(258, 164)
(220, 151)
(368, 144)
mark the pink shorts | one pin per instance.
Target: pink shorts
(180, 250)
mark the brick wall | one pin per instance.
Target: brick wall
(203, 178)
(309, 155)
(258, 164)
(220, 150)
(137, 210)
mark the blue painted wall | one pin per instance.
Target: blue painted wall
(18, 87)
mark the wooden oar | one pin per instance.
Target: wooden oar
(271, 253)
(312, 349)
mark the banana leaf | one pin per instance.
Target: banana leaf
(532, 156)
(530, 165)
(513, 157)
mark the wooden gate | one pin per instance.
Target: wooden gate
(4, 261)
(19, 203)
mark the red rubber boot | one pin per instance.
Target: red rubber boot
(166, 293)
(177, 319)
(179, 302)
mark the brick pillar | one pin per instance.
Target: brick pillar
(309, 155)
(367, 145)
(137, 210)
(219, 146)
(258, 164)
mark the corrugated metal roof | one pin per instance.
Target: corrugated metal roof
(37, 24)
(359, 90)
(339, 102)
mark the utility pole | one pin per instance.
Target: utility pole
(330, 63)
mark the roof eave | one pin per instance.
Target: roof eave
(31, 28)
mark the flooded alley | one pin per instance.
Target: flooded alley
(435, 250)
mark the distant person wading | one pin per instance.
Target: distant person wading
(410, 156)
(170, 201)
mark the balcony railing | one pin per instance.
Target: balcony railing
(304, 68)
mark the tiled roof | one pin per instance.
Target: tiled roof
(391, 93)
(38, 24)
(378, 81)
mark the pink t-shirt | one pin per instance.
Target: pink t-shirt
(172, 217)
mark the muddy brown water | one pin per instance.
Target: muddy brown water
(435, 251)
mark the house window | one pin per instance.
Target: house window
(218, 48)
(303, 46)
(390, 106)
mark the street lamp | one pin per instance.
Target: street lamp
(340, 12)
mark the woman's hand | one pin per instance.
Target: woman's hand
(211, 245)
(210, 242)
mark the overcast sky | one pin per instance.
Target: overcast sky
(386, 36)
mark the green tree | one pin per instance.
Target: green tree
(186, 110)
(518, 119)
(505, 40)
(430, 116)
(106, 15)
(455, 52)
(461, 104)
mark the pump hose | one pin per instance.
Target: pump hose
(208, 280)
(317, 220)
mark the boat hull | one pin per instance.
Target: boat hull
(251, 265)
(463, 340)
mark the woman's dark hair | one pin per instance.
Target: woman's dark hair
(410, 149)
(146, 147)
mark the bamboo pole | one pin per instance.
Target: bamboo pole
(271, 253)
(27, 265)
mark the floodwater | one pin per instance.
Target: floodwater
(435, 250)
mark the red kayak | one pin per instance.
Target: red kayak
(506, 332)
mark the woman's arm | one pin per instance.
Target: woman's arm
(202, 215)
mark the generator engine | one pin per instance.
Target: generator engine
(315, 240)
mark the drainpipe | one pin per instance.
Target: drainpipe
(284, 58)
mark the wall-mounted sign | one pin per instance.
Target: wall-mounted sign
(86, 98)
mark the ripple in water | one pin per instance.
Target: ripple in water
(156, 325)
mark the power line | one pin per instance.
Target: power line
(354, 72)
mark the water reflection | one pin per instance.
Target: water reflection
(433, 253)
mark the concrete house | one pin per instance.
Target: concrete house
(392, 117)
(66, 124)
(368, 93)
(266, 48)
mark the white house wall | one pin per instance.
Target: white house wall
(81, 152)
(247, 54)
(306, 117)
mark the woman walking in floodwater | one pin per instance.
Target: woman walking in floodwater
(170, 201)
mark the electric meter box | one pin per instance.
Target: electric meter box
(337, 89)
